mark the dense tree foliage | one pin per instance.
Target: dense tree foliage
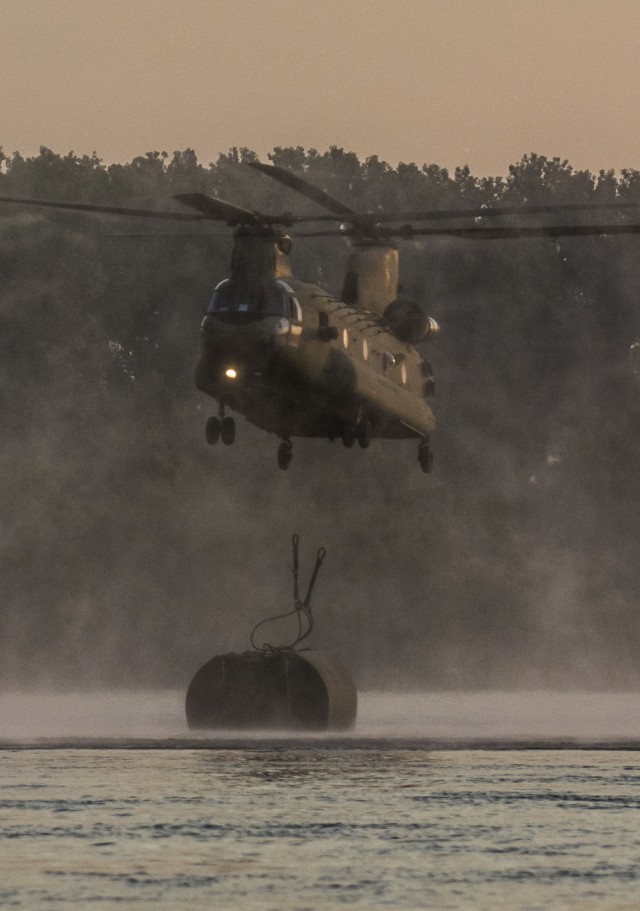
(131, 552)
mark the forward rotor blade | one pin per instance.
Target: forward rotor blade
(218, 209)
(154, 235)
(209, 209)
(301, 186)
(225, 211)
(105, 210)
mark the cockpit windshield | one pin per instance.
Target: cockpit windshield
(270, 300)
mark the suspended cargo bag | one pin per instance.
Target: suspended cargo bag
(275, 686)
(279, 689)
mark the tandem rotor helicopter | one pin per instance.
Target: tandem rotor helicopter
(296, 361)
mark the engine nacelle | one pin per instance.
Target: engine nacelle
(408, 321)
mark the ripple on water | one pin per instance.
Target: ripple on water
(308, 829)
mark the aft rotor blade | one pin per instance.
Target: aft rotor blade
(105, 210)
(493, 211)
(407, 232)
(303, 187)
(307, 189)
(523, 232)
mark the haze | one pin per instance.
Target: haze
(437, 81)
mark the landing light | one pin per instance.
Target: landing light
(231, 373)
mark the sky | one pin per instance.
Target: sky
(448, 82)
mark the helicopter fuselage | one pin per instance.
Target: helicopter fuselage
(317, 368)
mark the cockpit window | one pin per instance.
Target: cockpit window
(271, 300)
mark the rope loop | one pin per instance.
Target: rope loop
(301, 609)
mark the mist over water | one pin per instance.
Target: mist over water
(121, 718)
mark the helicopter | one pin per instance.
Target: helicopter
(299, 362)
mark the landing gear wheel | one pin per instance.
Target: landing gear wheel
(228, 431)
(348, 437)
(425, 457)
(364, 433)
(285, 454)
(212, 430)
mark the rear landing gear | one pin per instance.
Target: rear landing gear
(364, 432)
(285, 454)
(348, 436)
(425, 456)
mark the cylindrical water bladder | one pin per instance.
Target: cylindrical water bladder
(280, 688)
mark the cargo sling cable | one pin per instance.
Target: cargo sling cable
(301, 609)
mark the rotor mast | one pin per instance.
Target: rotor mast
(259, 257)
(371, 279)
(260, 250)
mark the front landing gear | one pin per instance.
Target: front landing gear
(221, 427)
(212, 430)
(285, 454)
(228, 431)
(425, 456)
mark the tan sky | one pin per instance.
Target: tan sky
(444, 81)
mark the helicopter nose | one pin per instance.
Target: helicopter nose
(233, 352)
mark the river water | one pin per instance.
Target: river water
(448, 801)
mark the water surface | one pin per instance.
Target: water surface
(307, 825)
